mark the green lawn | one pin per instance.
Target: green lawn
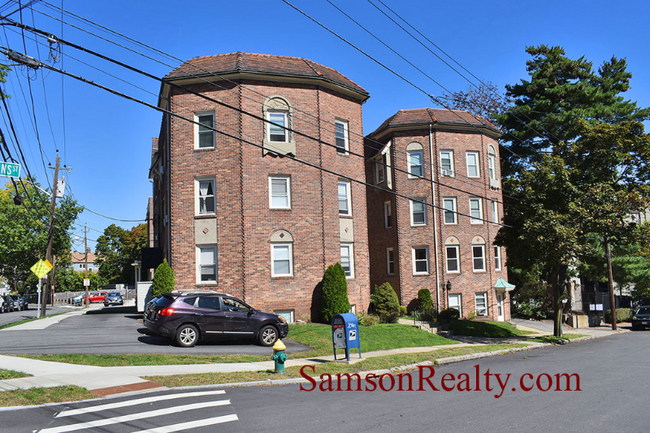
(553, 339)
(35, 396)
(474, 328)
(10, 374)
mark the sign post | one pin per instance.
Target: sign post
(345, 333)
(40, 269)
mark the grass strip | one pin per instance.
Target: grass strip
(555, 340)
(475, 328)
(36, 396)
(374, 363)
(10, 374)
(20, 322)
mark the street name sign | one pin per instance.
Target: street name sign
(9, 169)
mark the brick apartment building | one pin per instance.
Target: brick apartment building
(438, 231)
(249, 212)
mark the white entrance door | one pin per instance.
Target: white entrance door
(500, 316)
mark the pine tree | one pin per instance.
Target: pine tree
(335, 292)
(163, 279)
(385, 303)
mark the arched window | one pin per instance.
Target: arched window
(415, 160)
(278, 140)
(281, 254)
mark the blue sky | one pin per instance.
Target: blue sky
(106, 140)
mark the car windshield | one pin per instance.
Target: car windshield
(643, 310)
(114, 294)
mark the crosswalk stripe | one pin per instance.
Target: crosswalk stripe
(133, 417)
(134, 402)
(191, 424)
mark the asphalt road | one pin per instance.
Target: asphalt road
(17, 316)
(111, 330)
(613, 376)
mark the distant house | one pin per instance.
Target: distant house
(440, 205)
(79, 262)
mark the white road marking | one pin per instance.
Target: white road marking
(191, 424)
(134, 402)
(133, 417)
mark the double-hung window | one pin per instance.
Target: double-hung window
(480, 304)
(472, 164)
(420, 260)
(390, 261)
(281, 259)
(347, 260)
(277, 131)
(204, 130)
(449, 204)
(342, 140)
(345, 205)
(495, 211)
(207, 269)
(388, 215)
(475, 211)
(497, 258)
(478, 258)
(205, 196)
(280, 192)
(380, 170)
(455, 301)
(415, 163)
(418, 212)
(453, 264)
(492, 170)
(447, 162)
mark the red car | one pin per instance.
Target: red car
(97, 297)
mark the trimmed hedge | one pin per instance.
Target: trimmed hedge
(164, 279)
(335, 292)
(622, 315)
(385, 303)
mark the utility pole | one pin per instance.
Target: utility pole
(50, 233)
(86, 267)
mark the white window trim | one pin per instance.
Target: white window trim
(478, 168)
(492, 169)
(388, 212)
(196, 128)
(348, 192)
(472, 219)
(444, 171)
(409, 166)
(454, 211)
(271, 123)
(482, 295)
(197, 195)
(346, 137)
(457, 248)
(497, 258)
(424, 211)
(495, 211)
(482, 247)
(278, 244)
(389, 261)
(198, 264)
(287, 179)
(380, 171)
(350, 247)
(415, 272)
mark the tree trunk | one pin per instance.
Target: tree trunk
(558, 289)
(610, 283)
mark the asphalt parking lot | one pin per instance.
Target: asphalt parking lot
(116, 330)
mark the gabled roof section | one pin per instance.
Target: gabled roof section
(437, 117)
(263, 64)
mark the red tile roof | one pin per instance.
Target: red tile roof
(263, 64)
(440, 116)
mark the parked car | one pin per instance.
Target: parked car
(15, 299)
(641, 318)
(188, 317)
(2, 304)
(7, 304)
(20, 303)
(97, 297)
(113, 298)
(78, 300)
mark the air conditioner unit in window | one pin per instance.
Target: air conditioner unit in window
(446, 172)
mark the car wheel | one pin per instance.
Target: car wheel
(268, 335)
(187, 335)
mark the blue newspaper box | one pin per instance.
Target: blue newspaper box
(345, 333)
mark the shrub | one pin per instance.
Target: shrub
(335, 292)
(622, 315)
(425, 305)
(163, 279)
(531, 310)
(385, 303)
(448, 314)
(402, 311)
(366, 319)
(471, 315)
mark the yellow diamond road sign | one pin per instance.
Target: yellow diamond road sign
(41, 268)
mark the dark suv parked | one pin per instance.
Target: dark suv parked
(187, 317)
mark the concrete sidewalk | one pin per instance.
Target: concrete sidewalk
(114, 380)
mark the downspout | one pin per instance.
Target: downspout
(435, 220)
(169, 185)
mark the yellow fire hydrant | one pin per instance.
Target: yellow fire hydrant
(279, 356)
